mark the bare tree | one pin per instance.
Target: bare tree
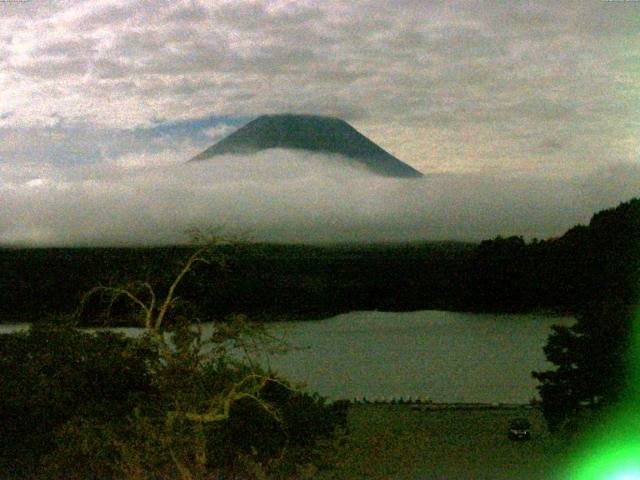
(187, 354)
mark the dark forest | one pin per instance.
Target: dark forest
(279, 282)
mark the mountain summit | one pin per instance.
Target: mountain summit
(311, 133)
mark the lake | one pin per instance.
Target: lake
(442, 356)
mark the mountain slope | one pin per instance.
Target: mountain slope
(311, 133)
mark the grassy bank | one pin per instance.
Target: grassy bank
(397, 442)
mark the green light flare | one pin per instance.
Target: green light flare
(612, 451)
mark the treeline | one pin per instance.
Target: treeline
(273, 281)
(599, 260)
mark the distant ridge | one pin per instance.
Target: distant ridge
(312, 133)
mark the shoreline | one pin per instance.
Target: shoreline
(428, 405)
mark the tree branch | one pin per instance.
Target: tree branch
(195, 257)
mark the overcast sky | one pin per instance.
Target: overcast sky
(516, 97)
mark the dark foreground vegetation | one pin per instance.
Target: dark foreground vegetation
(596, 361)
(169, 405)
(292, 281)
(76, 405)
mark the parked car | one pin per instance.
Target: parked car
(520, 429)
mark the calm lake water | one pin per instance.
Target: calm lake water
(443, 356)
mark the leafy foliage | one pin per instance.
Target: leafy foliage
(83, 405)
(591, 358)
(52, 374)
(172, 404)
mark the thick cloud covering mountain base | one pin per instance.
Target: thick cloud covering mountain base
(289, 196)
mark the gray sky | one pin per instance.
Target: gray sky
(535, 104)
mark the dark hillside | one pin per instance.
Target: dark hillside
(586, 265)
(274, 280)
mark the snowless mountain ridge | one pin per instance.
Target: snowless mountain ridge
(312, 133)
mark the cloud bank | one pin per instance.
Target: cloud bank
(289, 196)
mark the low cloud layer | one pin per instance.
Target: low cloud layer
(289, 196)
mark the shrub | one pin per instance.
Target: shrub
(169, 405)
(51, 374)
